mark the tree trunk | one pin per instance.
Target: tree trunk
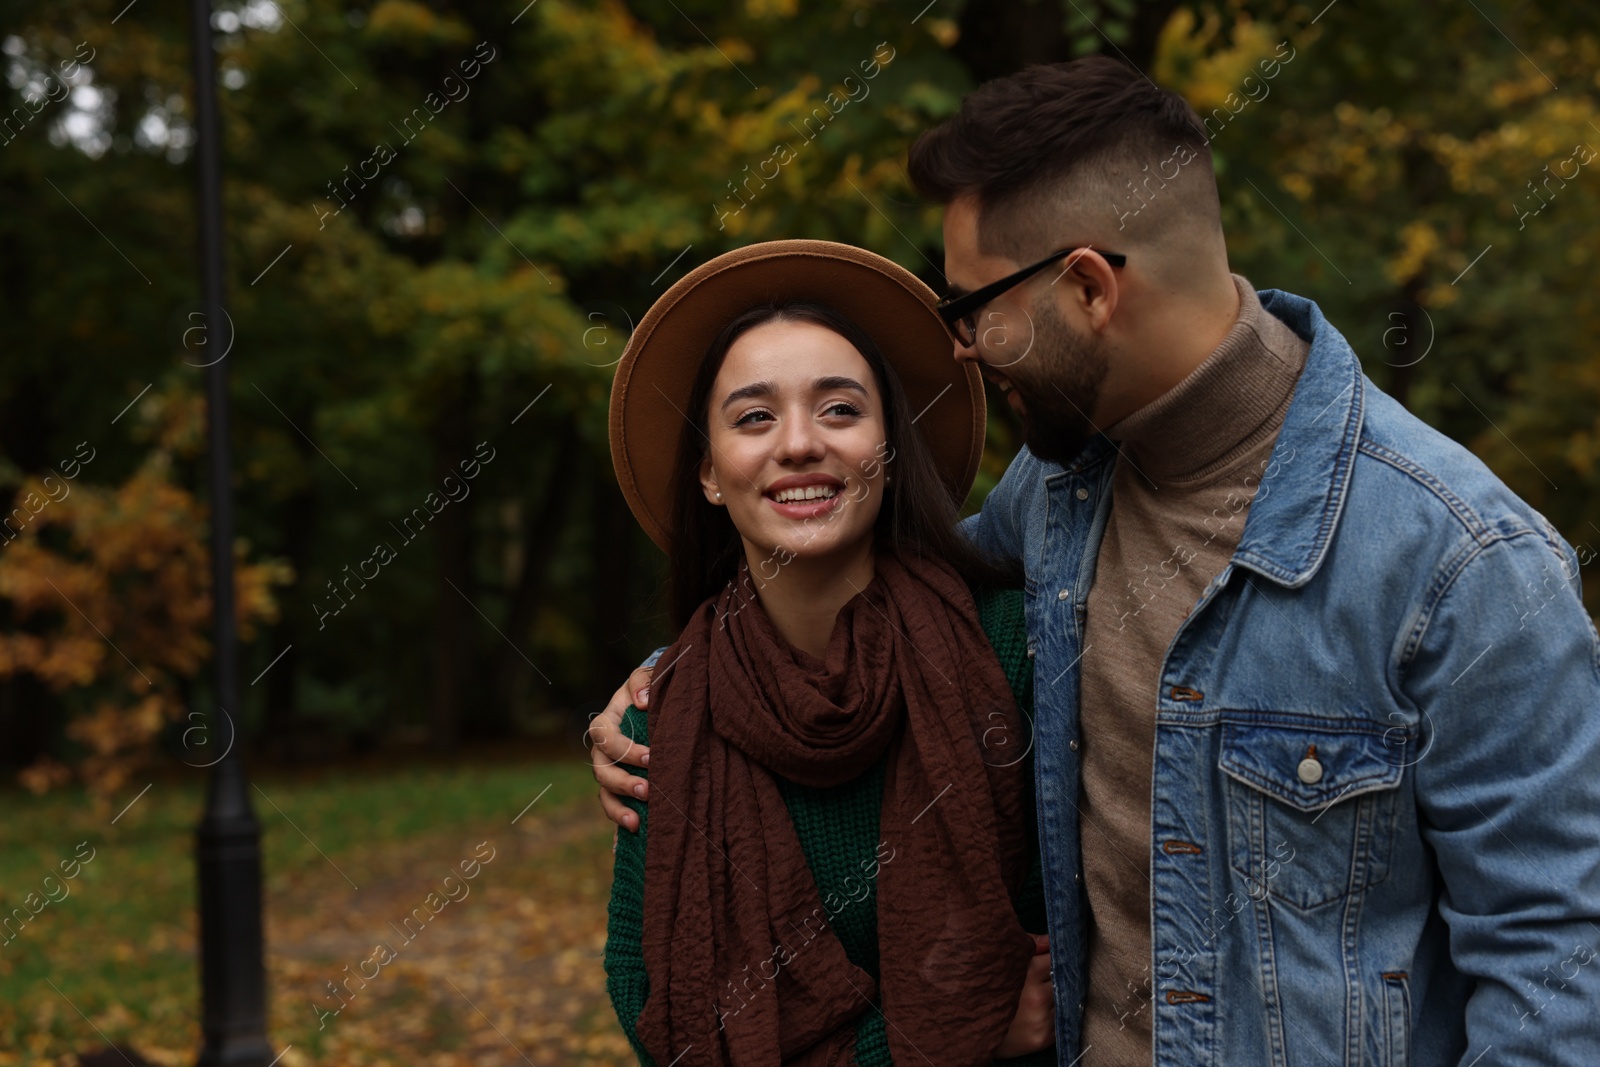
(541, 533)
(1426, 178)
(613, 607)
(455, 619)
(1412, 334)
(298, 520)
(29, 714)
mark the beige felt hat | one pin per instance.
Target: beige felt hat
(650, 394)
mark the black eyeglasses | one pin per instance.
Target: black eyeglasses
(958, 312)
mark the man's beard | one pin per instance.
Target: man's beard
(1059, 383)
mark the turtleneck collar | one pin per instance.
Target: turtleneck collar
(1195, 432)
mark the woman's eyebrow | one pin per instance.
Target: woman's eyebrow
(765, 388)
(746, 392)
(836, 381)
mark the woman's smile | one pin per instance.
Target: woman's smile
(805, 496)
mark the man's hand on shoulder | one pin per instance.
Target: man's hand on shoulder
(612, 752)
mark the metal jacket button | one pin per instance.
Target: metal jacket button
(1310, 769)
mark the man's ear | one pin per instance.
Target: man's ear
(1087, 290)
(708, 482)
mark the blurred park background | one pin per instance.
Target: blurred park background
(442, 220)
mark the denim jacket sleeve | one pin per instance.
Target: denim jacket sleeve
(997, 530)
(1504, 666)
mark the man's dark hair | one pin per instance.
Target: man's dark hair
(1082, 140)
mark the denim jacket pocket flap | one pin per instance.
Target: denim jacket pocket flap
(1309, 766)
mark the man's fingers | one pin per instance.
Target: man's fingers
(610, 744)
(612, 747)
(621, 781)
(612, 752)
(639, 686)
(618, 812)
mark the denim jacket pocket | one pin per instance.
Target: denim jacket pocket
(1311, 804)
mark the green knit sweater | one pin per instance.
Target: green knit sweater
(838, 831)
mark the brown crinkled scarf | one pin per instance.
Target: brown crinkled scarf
(728, 893)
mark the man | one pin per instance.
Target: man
(1318, 701)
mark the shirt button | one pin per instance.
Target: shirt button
(1083, 494)
(1078, 877)
(1064, 594)
(1310, 770)
(1073, 744)
(1030, 653)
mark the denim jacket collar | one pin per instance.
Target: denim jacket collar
(1293, 517)
(1302, 494)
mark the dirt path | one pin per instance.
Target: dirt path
(508, 974)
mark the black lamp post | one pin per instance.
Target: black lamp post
(233, 978)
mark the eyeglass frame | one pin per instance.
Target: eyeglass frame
(960, 309)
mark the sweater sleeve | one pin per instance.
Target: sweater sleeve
(626, 981)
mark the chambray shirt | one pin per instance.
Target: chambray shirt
(1375, 827)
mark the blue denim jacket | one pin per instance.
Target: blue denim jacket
(1375, 808)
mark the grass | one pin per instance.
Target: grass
(511, 970)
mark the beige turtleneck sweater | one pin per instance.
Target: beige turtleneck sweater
(1189, 463)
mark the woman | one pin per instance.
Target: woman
(840, 864)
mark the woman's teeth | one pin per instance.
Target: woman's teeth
(809, 492)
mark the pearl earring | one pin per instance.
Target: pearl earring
(719, 494)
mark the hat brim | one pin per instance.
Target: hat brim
(650, 393)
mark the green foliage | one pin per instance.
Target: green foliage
(442, 222)
(471, 206)
(1383, 176)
